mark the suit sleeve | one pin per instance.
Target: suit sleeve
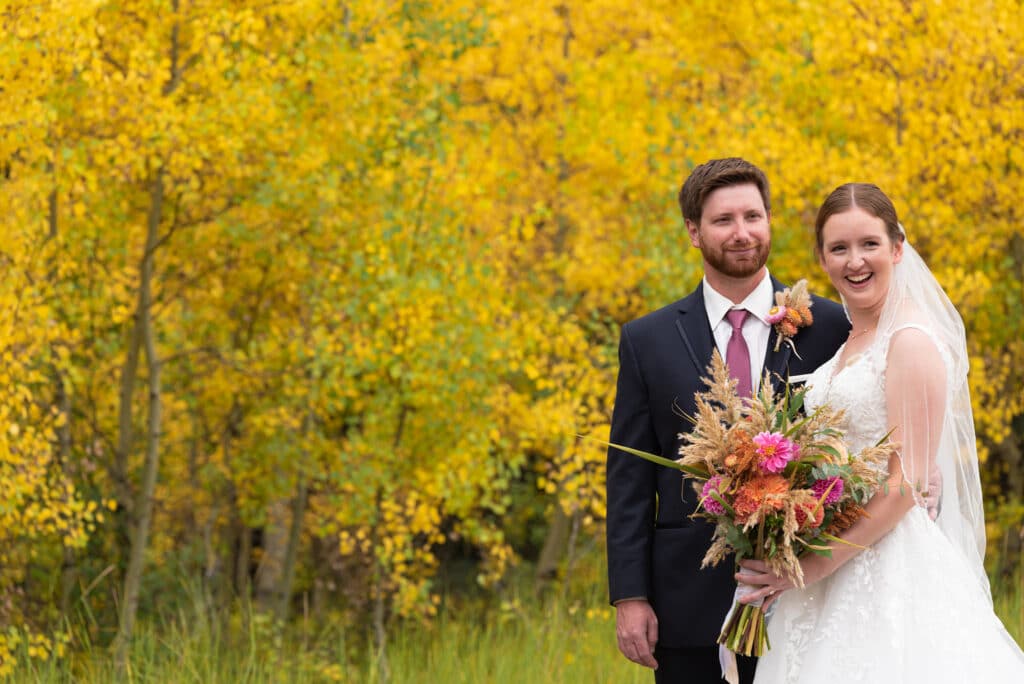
(631, 482)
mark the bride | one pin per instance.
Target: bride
(914, 605)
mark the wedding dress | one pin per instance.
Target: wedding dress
(916, 606)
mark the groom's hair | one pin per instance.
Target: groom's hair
(715, 174)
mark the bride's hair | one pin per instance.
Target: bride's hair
(865, 196)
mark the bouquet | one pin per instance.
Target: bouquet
(777, 484)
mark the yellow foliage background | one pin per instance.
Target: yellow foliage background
(396, 243)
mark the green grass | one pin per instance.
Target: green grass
(568, 643)
(568, 638)
(1008, 600)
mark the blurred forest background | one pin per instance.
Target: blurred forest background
(303, 303)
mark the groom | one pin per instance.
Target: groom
(669, 611)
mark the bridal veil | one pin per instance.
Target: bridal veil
(941, 433)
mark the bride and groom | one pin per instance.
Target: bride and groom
(908, 600)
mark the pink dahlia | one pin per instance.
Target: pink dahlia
(776, 314)
(834, 493)
(709, 503)
(775, 451)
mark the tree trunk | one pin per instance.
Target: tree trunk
(142, 336)
(141, 513)
(270, 572)
(241, 534)
(380, 632)
(292, 550)
(570, 552)
(555, 544)
(69, 566)
(299, 502)
(243, 556)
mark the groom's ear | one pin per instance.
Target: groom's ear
(694, 231)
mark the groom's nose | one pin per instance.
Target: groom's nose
(741, 234)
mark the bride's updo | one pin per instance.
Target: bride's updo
(865, 196)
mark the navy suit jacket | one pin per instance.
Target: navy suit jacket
(654, 548)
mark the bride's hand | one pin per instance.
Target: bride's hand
(767, 585)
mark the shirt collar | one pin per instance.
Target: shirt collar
(758, 302)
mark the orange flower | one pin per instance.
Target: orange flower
(764, 491)
(809, 514)
(792, 310)
(742, 453)
(844, 519)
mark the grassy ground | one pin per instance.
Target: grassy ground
(567, 638)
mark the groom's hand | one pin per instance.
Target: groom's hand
(933, 497)
(636, 627)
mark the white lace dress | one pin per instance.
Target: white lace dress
(907, 610)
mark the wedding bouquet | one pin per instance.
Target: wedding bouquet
(777, 484)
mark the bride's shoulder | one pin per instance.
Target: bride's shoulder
(910, 338)
(914, 351)
(908, 331)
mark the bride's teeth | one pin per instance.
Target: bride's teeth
(858, 279)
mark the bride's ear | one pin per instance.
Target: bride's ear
(897, 252)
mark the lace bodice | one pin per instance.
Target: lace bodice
(858, 388)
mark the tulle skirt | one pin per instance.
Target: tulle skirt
(908, 610)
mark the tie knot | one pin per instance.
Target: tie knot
(736, 317)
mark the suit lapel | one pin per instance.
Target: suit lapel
(695, 330)
(777, 362)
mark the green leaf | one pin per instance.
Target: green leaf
(832, 451)
(885, 437)
(738, 540)
(820, 551)
(728, 509)
(796, 403)
(693, 471)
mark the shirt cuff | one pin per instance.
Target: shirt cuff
(630, 598)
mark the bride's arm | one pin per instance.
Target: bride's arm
(915, 405)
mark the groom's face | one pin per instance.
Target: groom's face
(734, 234)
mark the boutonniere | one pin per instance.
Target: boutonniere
(791, 312)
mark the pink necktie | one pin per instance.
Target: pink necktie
(737, 356)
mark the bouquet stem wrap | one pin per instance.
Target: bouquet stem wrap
(744, 631)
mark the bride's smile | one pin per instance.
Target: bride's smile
(859, 257)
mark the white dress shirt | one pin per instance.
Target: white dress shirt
(756, 328)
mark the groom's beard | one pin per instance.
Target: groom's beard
(725, 261)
